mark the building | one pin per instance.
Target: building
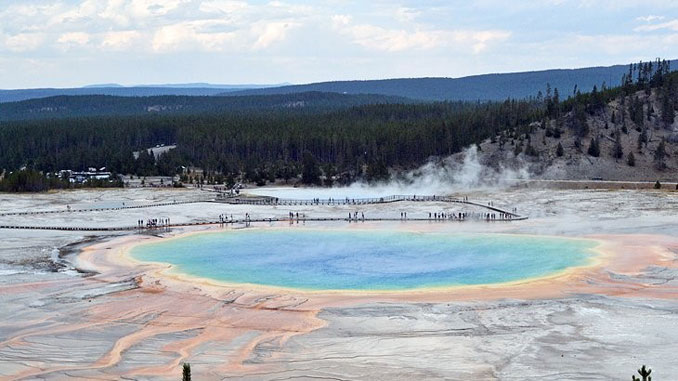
(84, 176)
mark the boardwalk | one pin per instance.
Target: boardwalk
(504, 215)
(39, 212)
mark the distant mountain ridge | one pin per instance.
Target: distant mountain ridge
(204, 85)
(189, 89)
(485, 87)
(65, 106)
(196, 85)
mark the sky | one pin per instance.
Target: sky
(71, 43)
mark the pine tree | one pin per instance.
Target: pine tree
(594, 148)
(377, 171)
(186, 373)
(631, 160)
(560, 151)
(530, 151)
(660, 155)
(311, 170)
(618, 150)
(668, 113)
(642, 139)
(517, 149)
(579, 123)
(556, 131)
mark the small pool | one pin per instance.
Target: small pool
(365, 260)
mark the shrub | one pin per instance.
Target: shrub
(560, 151)
(644, 373)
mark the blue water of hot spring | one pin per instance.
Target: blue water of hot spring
(365, 260)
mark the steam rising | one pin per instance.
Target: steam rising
(458, 173)
(451, 175)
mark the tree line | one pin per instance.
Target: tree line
(347, 143)
(31, 180)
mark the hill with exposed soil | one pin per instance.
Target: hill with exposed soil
(631, 140)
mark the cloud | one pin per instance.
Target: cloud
(115, 13)
(669, 25)
(341, 20)
(222, 6)
(623, 4)
(86, 10)
(153, 8)
(120, 40)
(23, 42)
(638, 46)
(194, 35)
(405, 14)
(392, 40)
(397, 40)
(270, 33)
(148, 26)
(74, 38)
(216, 36)
(650, 18)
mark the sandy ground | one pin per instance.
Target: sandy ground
(133, 321)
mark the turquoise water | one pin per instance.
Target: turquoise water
(365, 260)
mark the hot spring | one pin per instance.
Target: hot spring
(365, 260)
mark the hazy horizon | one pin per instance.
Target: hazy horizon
(203, 84)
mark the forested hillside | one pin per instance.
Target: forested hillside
(104, 105)
(365, 141)
(261, 144)
(624, 133)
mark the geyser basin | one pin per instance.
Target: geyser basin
(365, 260)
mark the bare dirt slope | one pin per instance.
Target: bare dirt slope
(575, 162)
